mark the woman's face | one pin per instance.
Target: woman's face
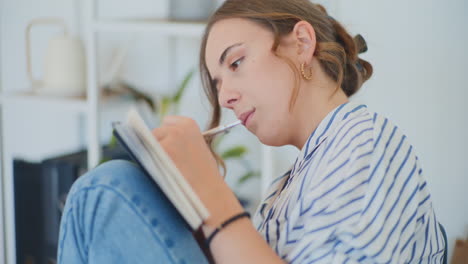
(250, 79)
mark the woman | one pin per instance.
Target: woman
(355, 193)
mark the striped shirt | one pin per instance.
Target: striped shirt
(355, 194)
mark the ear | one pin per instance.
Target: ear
(304, 36)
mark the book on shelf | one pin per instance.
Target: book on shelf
(135, 136)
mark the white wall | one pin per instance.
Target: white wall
(417, 49)
(2, 233)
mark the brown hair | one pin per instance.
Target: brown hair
(336, 51)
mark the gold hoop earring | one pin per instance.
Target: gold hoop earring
(307, 77)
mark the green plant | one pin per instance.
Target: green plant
(172, 102)
(236, 153)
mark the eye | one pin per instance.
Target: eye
(235, 64)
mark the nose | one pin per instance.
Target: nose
(228, 97)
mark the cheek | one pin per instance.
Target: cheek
(272, 122)
(269, 82)
(276, 83)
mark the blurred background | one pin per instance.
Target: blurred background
(55, 121)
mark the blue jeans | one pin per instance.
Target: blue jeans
(116, 214)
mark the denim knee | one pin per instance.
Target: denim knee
(121, 186)
(130, 182)
(120, 174)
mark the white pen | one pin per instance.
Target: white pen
(221, 128)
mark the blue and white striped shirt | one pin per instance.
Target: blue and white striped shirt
(356, 194)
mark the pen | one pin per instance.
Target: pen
(220, 129)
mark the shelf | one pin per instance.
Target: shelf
(74, 104)
(71, 104)
(173, 28)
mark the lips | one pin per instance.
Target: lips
(244, 117)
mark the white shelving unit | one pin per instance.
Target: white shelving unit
(161, 27)
(2, 167)
(70, 104)
(89, 106)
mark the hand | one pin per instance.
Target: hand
(181, 138)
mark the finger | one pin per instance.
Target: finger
(173, 120)
(160, 133)
(180, 121)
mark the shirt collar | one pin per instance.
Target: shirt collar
(325, 127)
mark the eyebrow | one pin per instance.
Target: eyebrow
(226, 51)
(214, 81)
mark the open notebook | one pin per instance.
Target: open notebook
(135, 136)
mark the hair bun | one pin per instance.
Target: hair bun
(361, 44)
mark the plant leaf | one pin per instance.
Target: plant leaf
(234, 152)
(248, 175)
(113, 142)
(165, 104)
(103, 160)
(141, 95)
(182, 87)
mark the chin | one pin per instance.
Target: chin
(271, 139)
